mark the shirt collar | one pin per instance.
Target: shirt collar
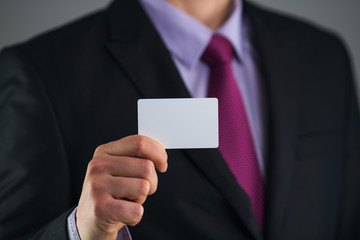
(189, 43)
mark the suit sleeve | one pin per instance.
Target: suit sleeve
(35, 189)
(350, 213)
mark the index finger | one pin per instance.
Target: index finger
(136, 146)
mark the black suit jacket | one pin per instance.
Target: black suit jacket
(70, 90)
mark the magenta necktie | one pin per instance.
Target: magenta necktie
(235, 143)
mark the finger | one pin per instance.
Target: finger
(136, 146)
(118, 210)
(125, 167)
(132, 189)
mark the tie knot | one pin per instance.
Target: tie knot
(218, 52)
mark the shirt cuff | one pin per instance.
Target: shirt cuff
(71, 226)
(123, 233)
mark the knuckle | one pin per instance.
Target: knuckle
(144, 187)
(140, 144)
(96, 165)
(153, 189)
(100, 148)
(137, 215)
(93, 165)
(147, 168)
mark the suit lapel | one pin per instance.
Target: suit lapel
(139, 50)
(280, 67)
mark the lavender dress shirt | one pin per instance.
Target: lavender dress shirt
(186, 39)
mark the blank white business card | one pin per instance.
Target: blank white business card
(180, 122)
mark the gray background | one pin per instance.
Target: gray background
(21, 19)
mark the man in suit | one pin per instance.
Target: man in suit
(67, 96)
